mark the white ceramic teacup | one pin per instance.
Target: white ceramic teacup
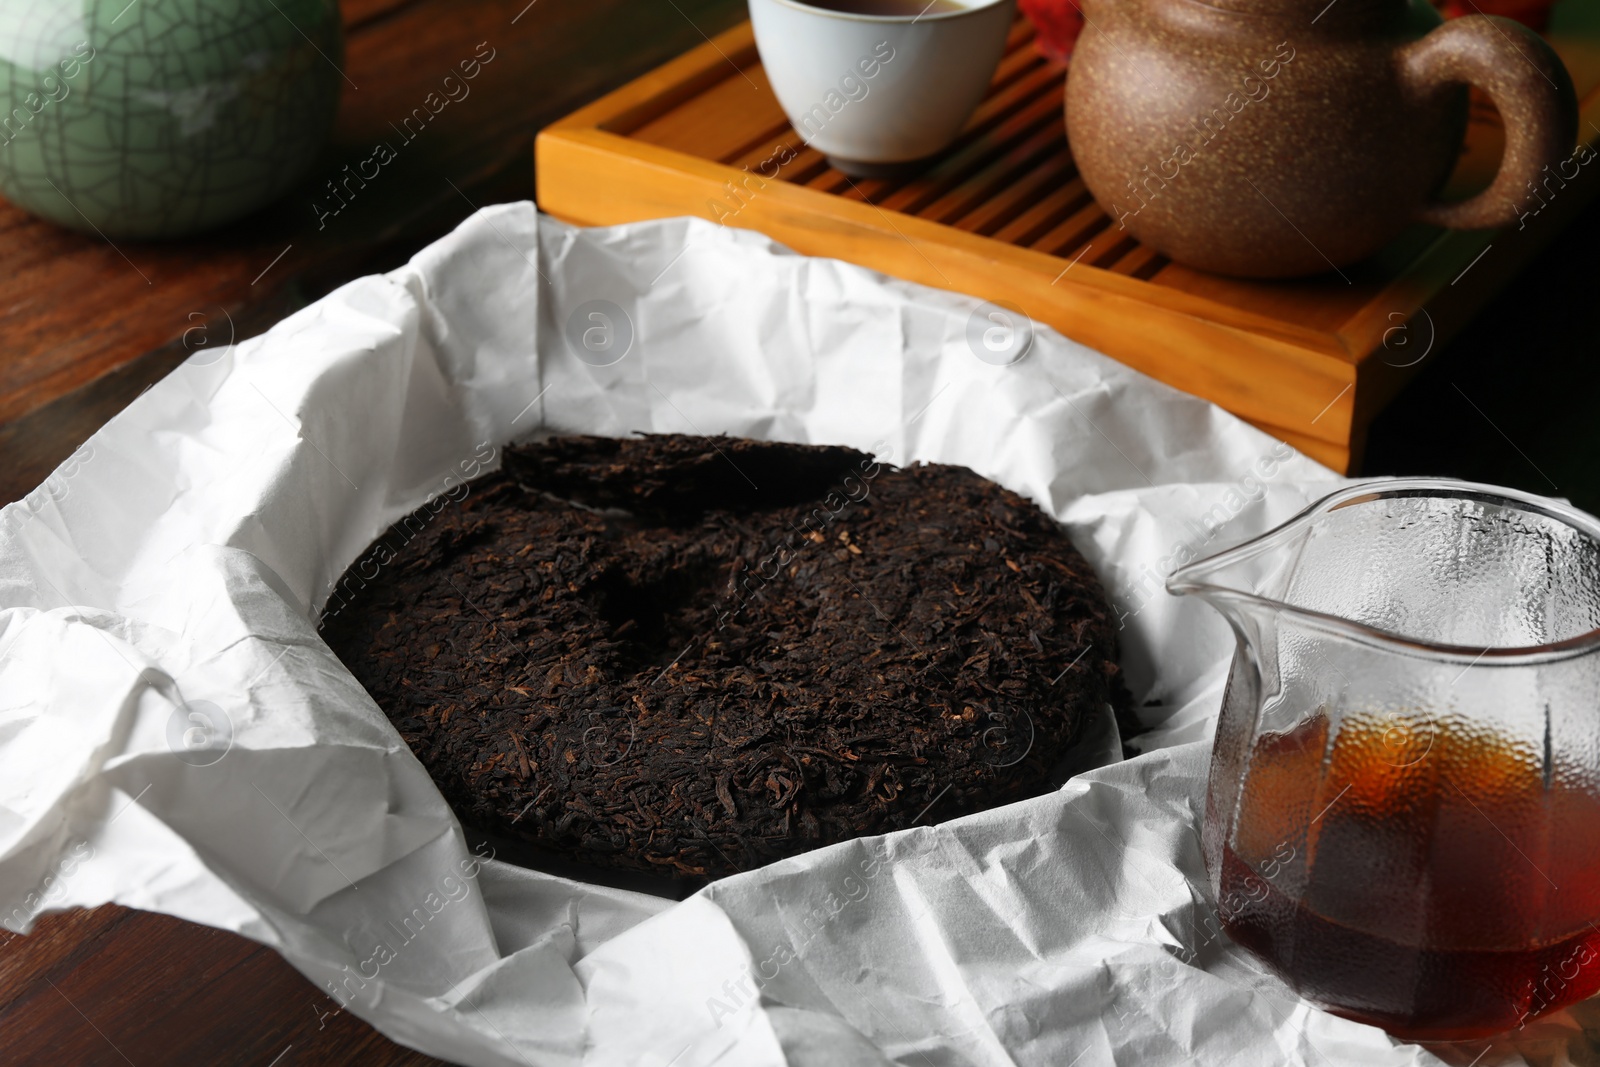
(875, 91)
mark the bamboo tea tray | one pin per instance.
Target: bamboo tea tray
(1003, 215)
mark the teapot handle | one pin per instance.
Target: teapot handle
(1529, 86)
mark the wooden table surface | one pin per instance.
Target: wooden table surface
(86, 327)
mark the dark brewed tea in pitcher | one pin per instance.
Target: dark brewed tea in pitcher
(1403, 810)
(1426, 880)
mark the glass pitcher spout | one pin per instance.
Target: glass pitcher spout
(1365, 562)
(1249, 579)
(1403, 814)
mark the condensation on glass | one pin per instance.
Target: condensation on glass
(1403, 817)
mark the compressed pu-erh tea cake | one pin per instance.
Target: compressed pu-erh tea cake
(692, 656)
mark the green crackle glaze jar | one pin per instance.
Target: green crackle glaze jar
(158, 118)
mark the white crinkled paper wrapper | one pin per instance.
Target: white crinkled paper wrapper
(177, 564)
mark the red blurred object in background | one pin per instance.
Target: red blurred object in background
(1534, 14)
(1057, 23)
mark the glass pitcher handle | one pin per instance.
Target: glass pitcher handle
(1529, 86)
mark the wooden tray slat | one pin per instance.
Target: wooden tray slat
(1066, 239)
(1053, 173)
(999, 170)
(1107, 248)
(1003, 214)
(719, 122)
(1045, 213)
(1005, 114)
(1143, 263)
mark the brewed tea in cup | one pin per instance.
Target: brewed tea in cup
(890, 8)
(878, 84)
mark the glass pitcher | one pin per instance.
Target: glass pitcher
(1403, 818)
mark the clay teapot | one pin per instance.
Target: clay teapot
(1272, 138)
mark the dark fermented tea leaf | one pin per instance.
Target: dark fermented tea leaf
(694, 656)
